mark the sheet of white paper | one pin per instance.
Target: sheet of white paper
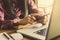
(17, 36)
(2, 37)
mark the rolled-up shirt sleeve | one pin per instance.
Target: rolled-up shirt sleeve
(1, 13)
(32, 5)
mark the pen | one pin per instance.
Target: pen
(7, 36)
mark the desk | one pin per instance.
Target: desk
(10, 31)
(13, 31)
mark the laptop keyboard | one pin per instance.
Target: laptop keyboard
(42, 32)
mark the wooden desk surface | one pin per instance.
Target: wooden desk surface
(13, 31)
(10, 31)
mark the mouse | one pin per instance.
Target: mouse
(16, 36)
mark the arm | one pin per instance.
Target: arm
(33, 8)
(38, 14)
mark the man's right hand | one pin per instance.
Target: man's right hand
(32, 18)
(27, 20)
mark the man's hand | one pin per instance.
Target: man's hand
(33, 18)
(39, 18)
(27, 20)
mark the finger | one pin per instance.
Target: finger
(30, 21)
(32, 17)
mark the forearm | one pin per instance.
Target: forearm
(6, 24)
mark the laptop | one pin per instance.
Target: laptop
(36, 31)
